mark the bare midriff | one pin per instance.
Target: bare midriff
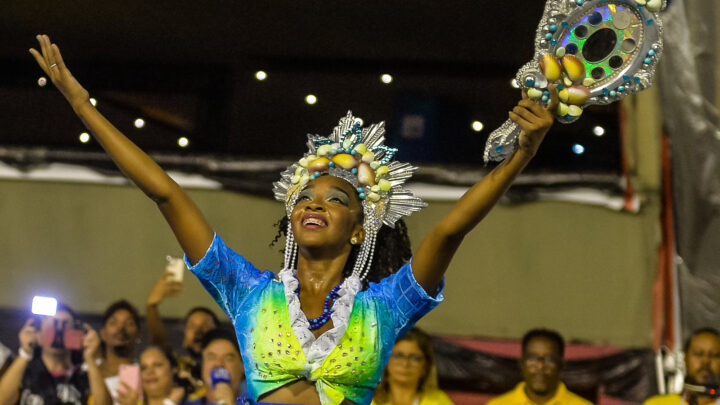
(296, 392)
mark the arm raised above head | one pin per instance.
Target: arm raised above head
(187, 222)
(439, 246)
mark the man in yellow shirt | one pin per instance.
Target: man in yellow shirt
(541, 364)
(702, 365)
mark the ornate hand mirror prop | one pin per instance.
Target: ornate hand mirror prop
(595, 51)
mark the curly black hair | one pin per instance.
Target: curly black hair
(392, 250)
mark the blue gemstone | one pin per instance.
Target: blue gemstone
(613, 93)
(530, 82)
(544, 98)
(647, 61)
(626, 78)
(565, 24)
(548, 36)
(650, 22)
(362, 196)
(360, 189)
(651, 52)
(553, 42)
(560, 86)
(595, 18)
(354, 170)
(621, 89)
(547, 93)
(553, 28)
(636, 79)
(606, 91)
(331, 164)
(498, 149)
(579, 2)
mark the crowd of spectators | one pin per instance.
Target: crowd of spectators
(61, 360)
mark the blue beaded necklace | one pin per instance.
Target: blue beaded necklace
(317, 323)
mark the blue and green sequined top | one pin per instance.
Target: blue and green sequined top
(277, 347)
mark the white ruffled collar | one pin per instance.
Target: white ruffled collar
(317, 349)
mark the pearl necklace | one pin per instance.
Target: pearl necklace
(317, 323)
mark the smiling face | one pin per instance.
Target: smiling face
(120, 330)
(327, 214)
(156, 373)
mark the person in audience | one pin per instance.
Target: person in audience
(159, 380)
(702, 367)
(410, 377)
(44, 373)
(120, 334)
(541, 364)
(198, 321)
(223, 372)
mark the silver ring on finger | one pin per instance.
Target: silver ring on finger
(53, 65)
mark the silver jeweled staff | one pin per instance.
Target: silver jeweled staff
(594, 51)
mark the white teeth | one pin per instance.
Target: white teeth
(314, 221)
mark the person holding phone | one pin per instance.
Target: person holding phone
(198, 321)
(157, 380)
(43, 372)
(120, 335)
(350, 279)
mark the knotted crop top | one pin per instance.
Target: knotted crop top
(277, 347)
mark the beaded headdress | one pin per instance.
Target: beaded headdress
(359, 156)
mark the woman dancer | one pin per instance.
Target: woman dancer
(312, 334)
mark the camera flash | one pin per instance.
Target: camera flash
(44, 306)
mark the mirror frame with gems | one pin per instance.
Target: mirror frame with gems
(626, 67)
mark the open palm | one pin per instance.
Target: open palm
(51, 62)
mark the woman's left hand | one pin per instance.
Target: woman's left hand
(534, 120)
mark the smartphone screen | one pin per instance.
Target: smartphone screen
(130, 375)
(176, 266)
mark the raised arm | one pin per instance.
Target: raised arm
(165, 287)
(437, 249)
(187, 222)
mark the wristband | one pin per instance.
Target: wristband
(219, 375)
(25, 355)
(168, 401)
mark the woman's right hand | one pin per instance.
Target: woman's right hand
(51, 62)
(165, 287)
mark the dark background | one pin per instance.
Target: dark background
(187, 68)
